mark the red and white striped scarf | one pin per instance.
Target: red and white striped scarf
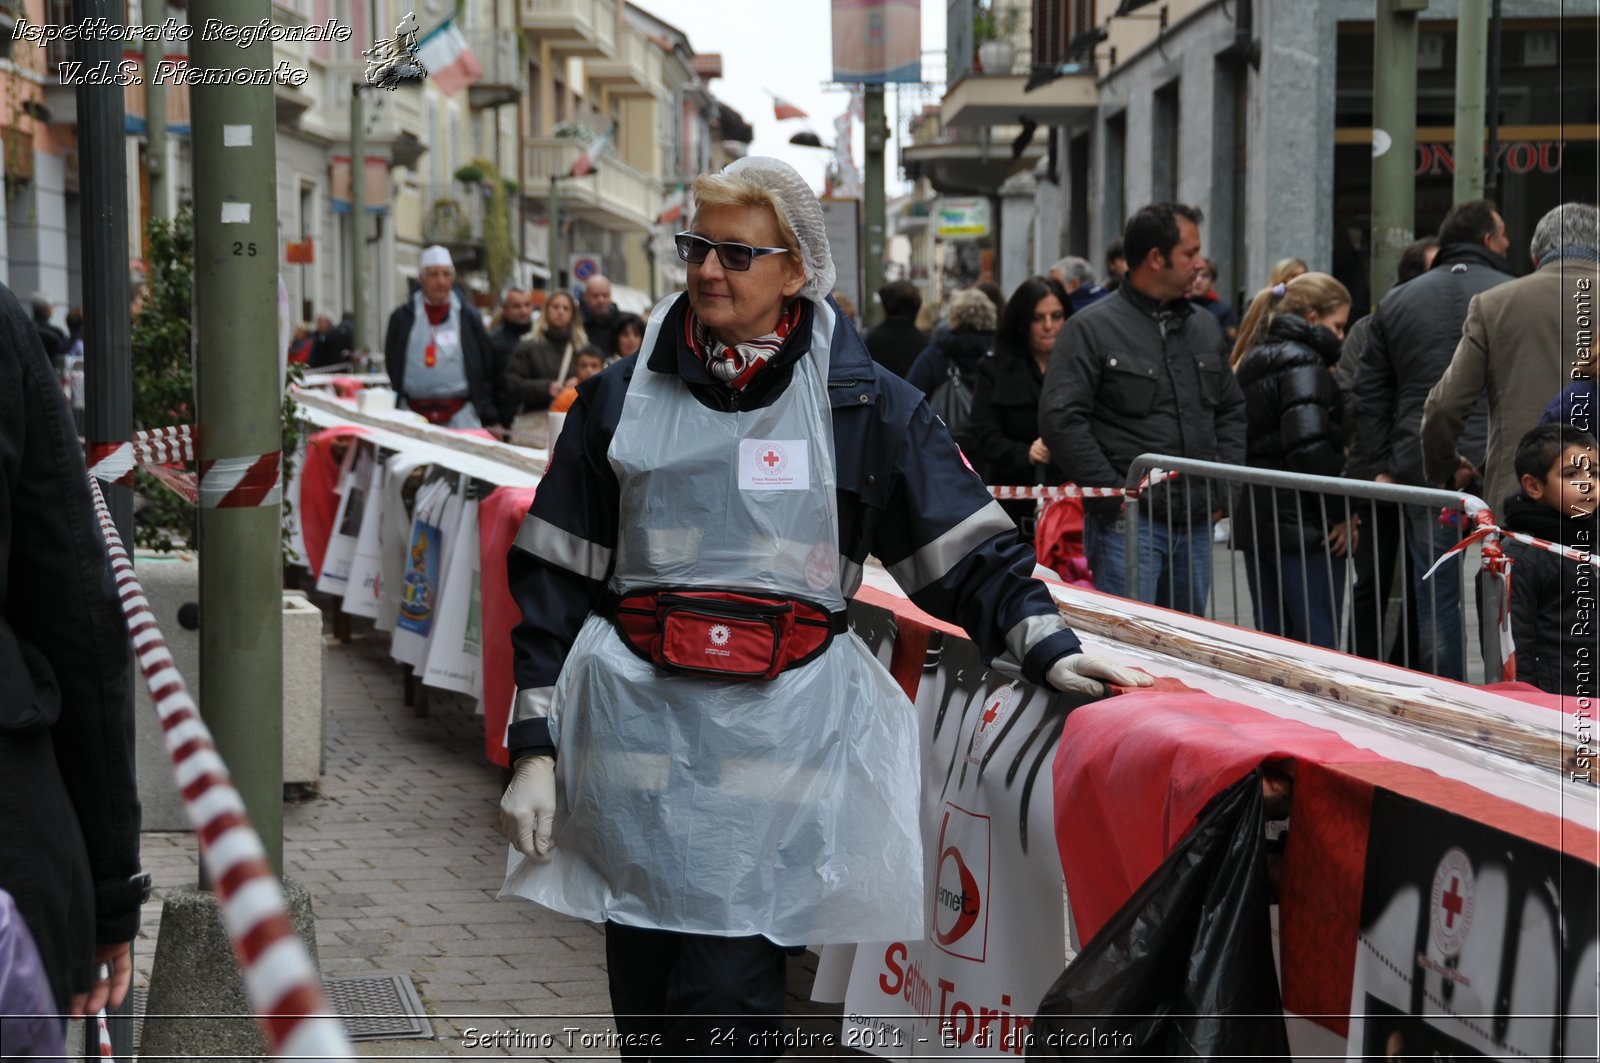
(738, 364)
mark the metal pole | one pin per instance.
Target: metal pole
(1491, 167)
(108, 373)
(103, 215)
(877, 135)
(155, 113)
(358, 217)
(1394, 114)
(240, 426)
(553, 209)
(1472, 31)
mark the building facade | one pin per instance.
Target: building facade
(554, 75)
(1260, 113)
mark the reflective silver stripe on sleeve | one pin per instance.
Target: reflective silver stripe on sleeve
(931, 562)
(1027, 634)
(562, 548)
(850, 575)
(532, 703)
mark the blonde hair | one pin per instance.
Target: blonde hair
(577, 336)
(1286, 270)
(731, 190)
(1309, 293)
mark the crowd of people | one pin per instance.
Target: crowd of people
(1443, 385)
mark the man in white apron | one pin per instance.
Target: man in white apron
(437, 350)
(737, 774)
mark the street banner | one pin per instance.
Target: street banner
(424, 573)
(394, 535)
(1474, 942)
(364, 584)
(877, 41)
(455, 651)
(972, 986)
(355, 478)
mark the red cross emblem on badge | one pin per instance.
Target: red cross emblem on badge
(771, 459)
(1452, 903)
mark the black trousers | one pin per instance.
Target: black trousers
(694, 995)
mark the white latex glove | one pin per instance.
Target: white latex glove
(1078, 673)
(528, 807)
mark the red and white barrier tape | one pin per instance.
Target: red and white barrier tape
(1488, 533)
(279, 976)
(231, 483)
(115, 462)
(105, 1037)
(1074, 491)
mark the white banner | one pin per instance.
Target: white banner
(433, 521)
(973, 987)
(355, 478)
(364, 585)
(455, 651)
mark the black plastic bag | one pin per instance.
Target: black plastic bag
(1184, 969)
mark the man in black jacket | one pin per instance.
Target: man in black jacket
(516, 320)
(1141, 372)
(438, 353)
(896, 341)
(1409, 345)
(69, 806)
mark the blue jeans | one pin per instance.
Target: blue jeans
(1174, 566)
(1297, 595)
(1439, 597)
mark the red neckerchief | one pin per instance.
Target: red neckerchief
(737, 365)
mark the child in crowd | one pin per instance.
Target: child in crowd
(590, 360)
(1553, 598)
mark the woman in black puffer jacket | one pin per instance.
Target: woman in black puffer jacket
(1288, 345)
(1004, 430)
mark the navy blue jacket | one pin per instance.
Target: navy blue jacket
(905, 495)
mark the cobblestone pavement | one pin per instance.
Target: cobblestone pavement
(402, 858)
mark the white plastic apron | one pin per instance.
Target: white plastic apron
(787, 808)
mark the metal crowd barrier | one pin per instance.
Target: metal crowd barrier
(1374, 601)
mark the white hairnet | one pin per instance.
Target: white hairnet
(803, 213)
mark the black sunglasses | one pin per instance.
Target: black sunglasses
(693, 248)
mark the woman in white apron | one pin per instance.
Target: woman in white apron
(736, 773)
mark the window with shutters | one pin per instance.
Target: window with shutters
(1055, 24)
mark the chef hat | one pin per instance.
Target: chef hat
(437, 255)
(798, 207)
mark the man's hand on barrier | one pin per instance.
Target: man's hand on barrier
(528, 807)
(1343, 538)
(1466, 473)
(1079, 673)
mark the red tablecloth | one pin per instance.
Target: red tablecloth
(1132, 774)
(499, 517)
(319, 482)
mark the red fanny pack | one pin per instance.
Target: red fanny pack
(723, 634)
(437, 411)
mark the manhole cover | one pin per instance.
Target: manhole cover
(382, 1007)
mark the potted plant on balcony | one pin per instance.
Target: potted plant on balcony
(994, 29)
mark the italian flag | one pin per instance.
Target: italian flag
(589, 160)
(448, 60)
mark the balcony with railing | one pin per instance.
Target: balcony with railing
(637, 70)
(585, 28)
(999, 62)
(502, 79)
(616, 195)
(452, 215)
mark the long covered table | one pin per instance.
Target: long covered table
(1434, 892)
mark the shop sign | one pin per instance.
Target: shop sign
(1517, 156)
